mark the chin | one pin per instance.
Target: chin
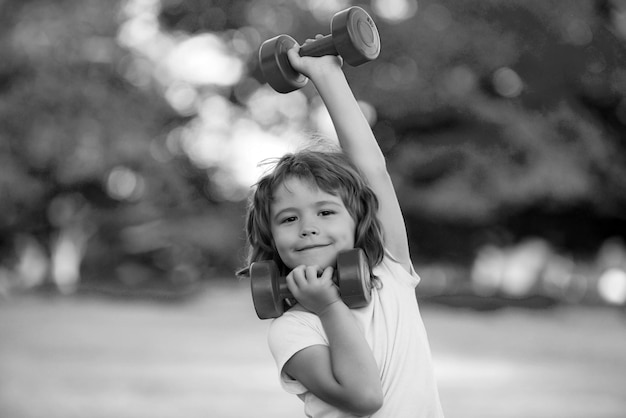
(322, 262)
(326, 263)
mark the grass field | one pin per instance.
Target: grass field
(91, 357)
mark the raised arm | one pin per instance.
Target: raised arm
(358, 142)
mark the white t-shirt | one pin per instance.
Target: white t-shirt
(393, 327)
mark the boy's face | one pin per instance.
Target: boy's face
(309, 226)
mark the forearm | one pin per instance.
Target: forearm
(353, 130)
(353, 365)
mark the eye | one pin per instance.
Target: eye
(327, 212)
(288, 219)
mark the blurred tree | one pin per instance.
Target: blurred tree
(83, 155)
(511, 120)
(123, 121)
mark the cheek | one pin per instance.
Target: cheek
(279, 238)
(276, 239)
(351, 230)
(353, 225)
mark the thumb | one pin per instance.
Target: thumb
(328, 273)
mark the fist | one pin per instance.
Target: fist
(313, 288)
(313, 67)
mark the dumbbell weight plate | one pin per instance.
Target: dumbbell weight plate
(353, 278)
(275, 65)
(266, 290)
(355, 36)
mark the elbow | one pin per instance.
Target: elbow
(367, 402)
(371, 407)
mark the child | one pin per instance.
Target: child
(372, 361)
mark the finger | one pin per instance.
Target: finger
(312, 272)
(294, 56)
(298, 276)
(295, 51)
(327, 274)
(309, 40)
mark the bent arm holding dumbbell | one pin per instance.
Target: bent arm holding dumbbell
(345, 373)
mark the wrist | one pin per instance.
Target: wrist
(330, 308)
(326, 74)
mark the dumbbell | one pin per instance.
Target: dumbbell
(269, 288)
(353, 36)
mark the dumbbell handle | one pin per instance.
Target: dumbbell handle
(319, 47)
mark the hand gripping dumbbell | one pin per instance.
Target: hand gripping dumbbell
(353, 36)
(269, 288)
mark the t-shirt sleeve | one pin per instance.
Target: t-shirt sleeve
(398, 272)
(290, 333)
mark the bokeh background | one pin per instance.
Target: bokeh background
(132, 130)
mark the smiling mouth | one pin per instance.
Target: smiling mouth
(312, 247)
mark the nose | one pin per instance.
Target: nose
(309, 229)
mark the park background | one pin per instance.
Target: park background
(132, 130)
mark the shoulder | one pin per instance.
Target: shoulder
(392, 269)
(296, 316)
(289, 334)
(297, 328)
